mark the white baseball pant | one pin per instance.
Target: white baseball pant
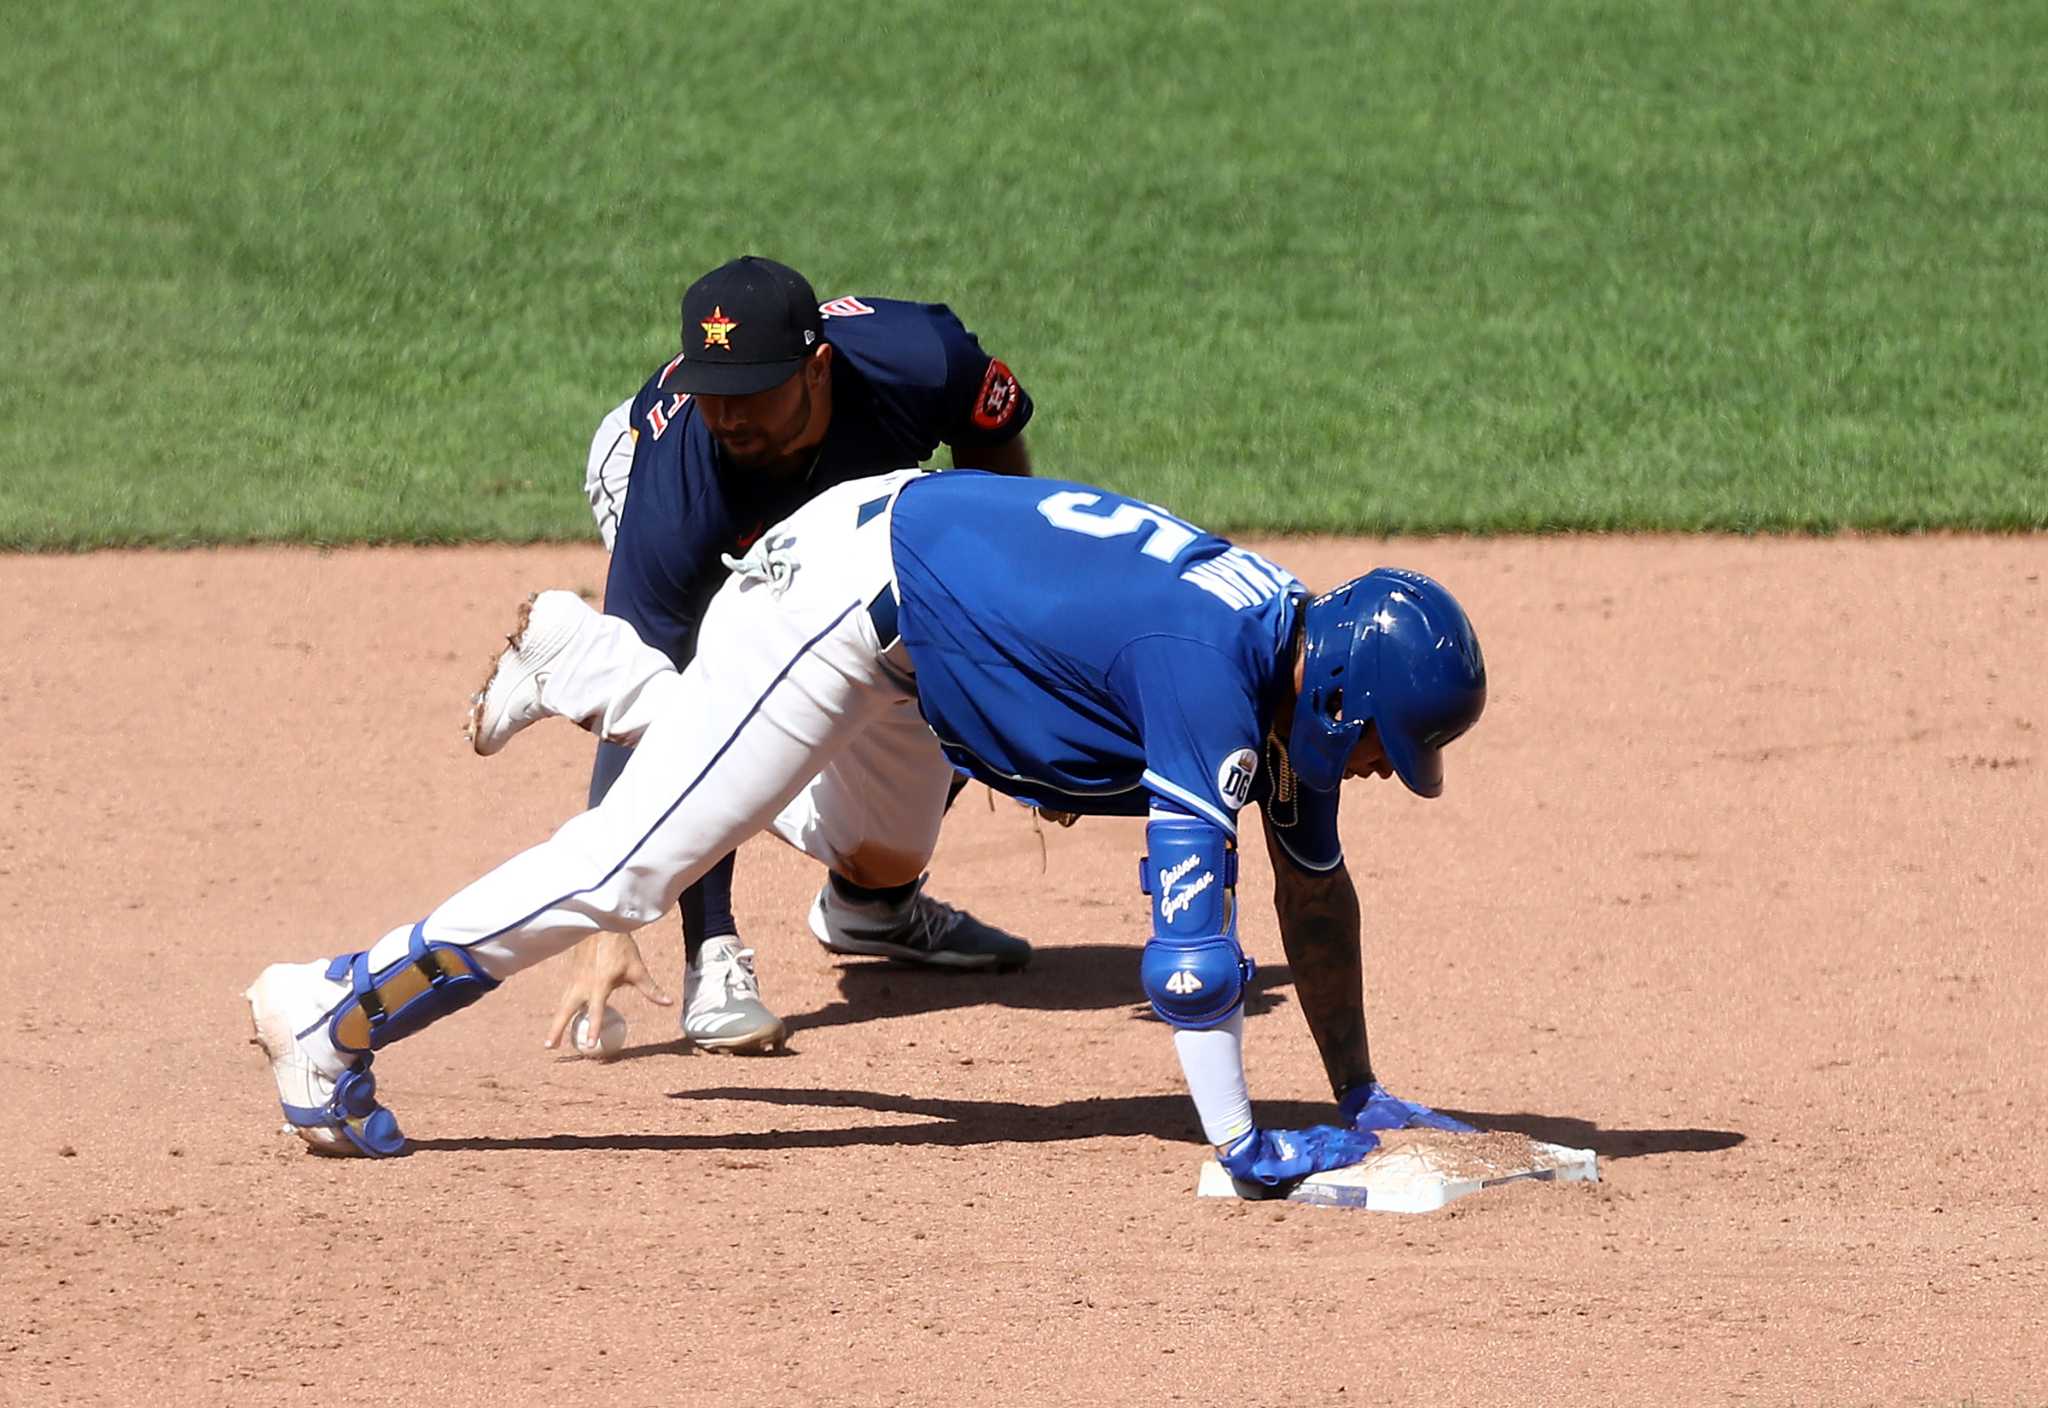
(793, 717)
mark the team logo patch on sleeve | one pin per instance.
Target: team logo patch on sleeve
(844, 308)
(997, 400)
(1234, 778)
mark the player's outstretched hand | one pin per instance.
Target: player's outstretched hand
(1371, 1107)
(1277, 1159)
(598, 966)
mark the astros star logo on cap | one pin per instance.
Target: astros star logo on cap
(718, 328)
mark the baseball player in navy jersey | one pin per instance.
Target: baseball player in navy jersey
(771, 400)
(1075, 649)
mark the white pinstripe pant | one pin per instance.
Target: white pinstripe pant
(791, 718)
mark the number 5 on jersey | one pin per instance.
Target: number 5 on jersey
(1069, 509)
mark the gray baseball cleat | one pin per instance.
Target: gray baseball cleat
(921, 930)
(510, 698)
(722, 1007)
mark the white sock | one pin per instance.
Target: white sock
(1213, 1062)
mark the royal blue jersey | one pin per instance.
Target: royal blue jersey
(905, 377)
(1090, 653)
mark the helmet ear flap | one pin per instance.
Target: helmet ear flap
(1321, 738)
(1401, 650)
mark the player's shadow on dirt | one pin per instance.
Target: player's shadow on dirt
(1084, 978)
(965, 1123)
(1081, 978)
(1607, 1143)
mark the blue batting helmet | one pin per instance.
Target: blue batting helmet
(1392, 648)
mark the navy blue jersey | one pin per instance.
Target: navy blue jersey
(1090, 653)
(905, 377)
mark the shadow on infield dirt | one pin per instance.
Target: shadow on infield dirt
(959, 1123)
(1081, 978)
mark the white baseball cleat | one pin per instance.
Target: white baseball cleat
(511, 697)
(722, 1007)
(329, 1101)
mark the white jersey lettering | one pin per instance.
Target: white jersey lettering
(1240, 579)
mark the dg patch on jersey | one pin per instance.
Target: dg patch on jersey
(1234, 778)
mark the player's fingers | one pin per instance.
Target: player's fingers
(572, 1003)
(599, 994)
(640, 978)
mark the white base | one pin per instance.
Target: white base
(1422, 1170)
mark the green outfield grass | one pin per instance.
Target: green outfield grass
(351, 271)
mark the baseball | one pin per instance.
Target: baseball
(611, 1035)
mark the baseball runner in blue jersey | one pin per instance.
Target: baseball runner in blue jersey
(1075, 649)
(772, 399)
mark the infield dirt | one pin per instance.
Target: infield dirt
(1739, 883)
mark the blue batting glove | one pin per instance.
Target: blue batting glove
(1279, 1158)
(1370, 1107)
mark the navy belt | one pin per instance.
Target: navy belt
(882, 611)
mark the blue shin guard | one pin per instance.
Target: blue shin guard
(353, 1113)
(429, 982)
(1193, 969)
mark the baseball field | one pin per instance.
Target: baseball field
(1700, 348)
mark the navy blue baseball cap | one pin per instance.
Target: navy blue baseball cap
(747, 326)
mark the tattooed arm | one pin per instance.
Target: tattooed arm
(1319, 928)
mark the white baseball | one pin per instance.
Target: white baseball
(611, 1035)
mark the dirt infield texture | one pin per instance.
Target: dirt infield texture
(1739, 882)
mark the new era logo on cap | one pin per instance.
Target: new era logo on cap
(747, 326)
